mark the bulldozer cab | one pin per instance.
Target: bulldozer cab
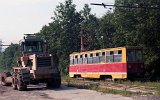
(31, 45)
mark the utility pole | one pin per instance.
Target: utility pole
(82, 45)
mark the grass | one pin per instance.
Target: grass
(121, 92)
(73, 83)
(151, 85)
(104, 90)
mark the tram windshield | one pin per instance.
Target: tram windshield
(134, 55)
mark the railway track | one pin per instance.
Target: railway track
(122, 86)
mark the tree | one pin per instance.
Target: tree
(140, 27)
(107, 30)
(9, 57)
(62, 34)
(89, 28)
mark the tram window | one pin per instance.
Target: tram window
(76, 60)
(115, 52)
(100, 54)
(130, 55)
(85, 59)
(76, 56)
(109, 56)
(102, 57)
(96, 58)
(90, 59)
(71, 60)
(134, 56)
(94, 55)
(97, 54)
(88, 55)
(111, 52)
(107, 53)
(103, 53)
(119, 51)
(80, 59)
(138, 55)
(118, 56)
(85, 55)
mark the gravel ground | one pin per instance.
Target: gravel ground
(39, 92)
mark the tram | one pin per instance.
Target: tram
(115, 63)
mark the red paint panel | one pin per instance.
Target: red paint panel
(135, 67)
(116, 67)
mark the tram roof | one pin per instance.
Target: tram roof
(107, 49)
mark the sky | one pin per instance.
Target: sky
(18, 17)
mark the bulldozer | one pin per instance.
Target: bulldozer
(35, 66)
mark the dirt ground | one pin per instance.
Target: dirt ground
(39, 92)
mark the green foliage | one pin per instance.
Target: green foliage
(62, 34)
(125, 21)
(106, 31)
(9, 57)
(89, 28)
(140, 27)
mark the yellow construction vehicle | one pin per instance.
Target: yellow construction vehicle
(34, 66)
